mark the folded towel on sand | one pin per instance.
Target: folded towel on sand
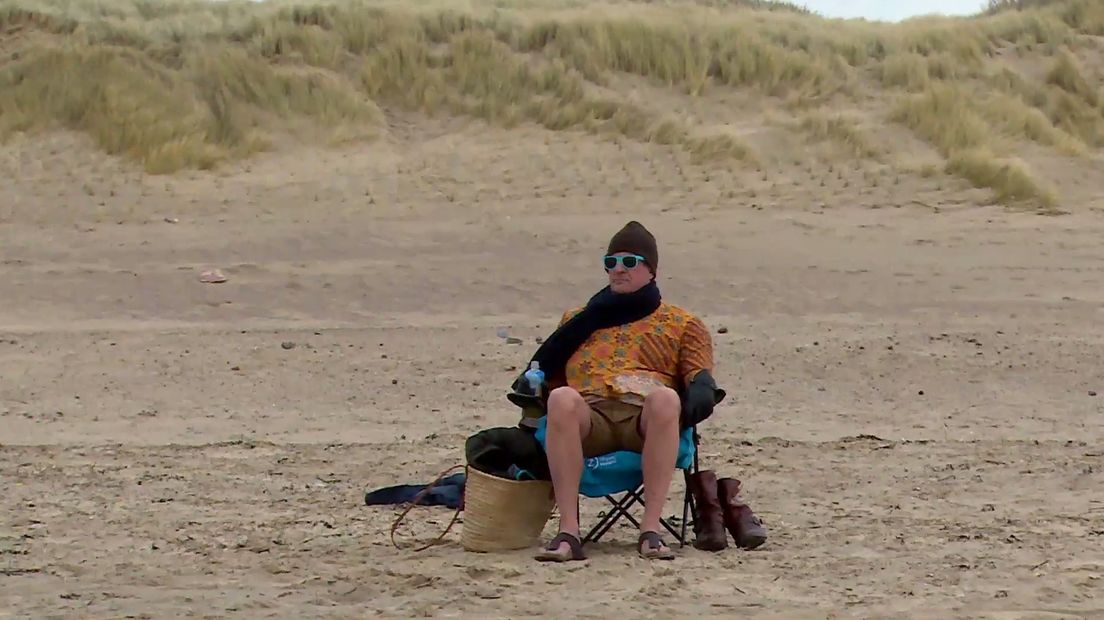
(448, 492)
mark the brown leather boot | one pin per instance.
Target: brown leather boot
(746, 528)
(709, 529)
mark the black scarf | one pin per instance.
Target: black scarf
(605, 309)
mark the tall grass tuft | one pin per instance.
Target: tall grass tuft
(947, 117)
(843, 131)
(1008, 178)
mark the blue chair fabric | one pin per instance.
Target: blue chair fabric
(621, 473)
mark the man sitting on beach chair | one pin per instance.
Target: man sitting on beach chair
(614, 373)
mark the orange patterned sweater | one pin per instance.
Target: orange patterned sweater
(667, 348)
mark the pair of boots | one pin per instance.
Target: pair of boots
(719, 508)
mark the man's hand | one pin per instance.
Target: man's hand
(521, 394)
(701, 396)
(521, 386)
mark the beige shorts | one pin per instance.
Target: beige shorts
(614, 426)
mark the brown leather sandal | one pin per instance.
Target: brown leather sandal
(654, 550)
(550, 552)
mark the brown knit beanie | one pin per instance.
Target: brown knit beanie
(636, 239)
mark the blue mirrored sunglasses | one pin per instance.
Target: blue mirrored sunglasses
(629, 261)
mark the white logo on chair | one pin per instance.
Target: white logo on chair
(595, 462)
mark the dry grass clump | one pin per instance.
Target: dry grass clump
(970, 113)
(1083, 16)
(1068, 75)
(756, 5)
(843, 131)
(945, 117)
(949, 118)
(1016, 119)
(476, 74)
(719, 147)
(915, 72)
(1066, 98)
(214, 104)
(691, 51)
(232, 79)
(1009, 178)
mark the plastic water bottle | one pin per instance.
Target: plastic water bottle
(535, 377)
(517, 473)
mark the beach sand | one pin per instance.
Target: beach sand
(915, 386)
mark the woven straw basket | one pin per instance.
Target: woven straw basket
(501, 514)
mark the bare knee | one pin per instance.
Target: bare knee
(662, 406)
(663, 399)
(566, 406)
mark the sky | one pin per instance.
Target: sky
(891, 10)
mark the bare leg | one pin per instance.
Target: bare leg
(660, 427)
(568, 424)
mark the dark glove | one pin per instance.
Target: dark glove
(521, 389)
(701, 396)
(532, 406)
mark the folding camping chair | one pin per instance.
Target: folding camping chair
(687, 462)
(621, 473)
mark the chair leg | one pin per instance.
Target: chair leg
(600, 528)
(680, 538)
(620, 509)
(687, 498)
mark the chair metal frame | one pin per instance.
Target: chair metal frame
(636, 496)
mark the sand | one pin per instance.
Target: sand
(915, 381)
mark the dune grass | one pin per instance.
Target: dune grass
(844, 131)
(1009, 178)
(180, 84)
(214, 106)
(957, 123)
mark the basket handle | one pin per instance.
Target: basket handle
(414, 502)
